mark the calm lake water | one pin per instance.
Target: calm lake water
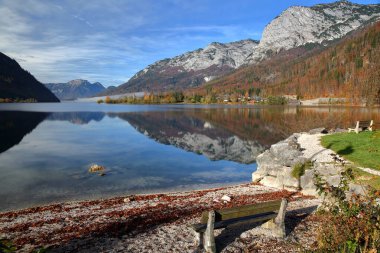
(47, 149)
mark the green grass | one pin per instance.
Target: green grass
(365, 178)
(362, 149)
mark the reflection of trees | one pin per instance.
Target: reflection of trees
(268, 125)
(246, 123)
(330, 117)
(78, 118)
(255, 128)
(15, 125)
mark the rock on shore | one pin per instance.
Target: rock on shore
(275, 165)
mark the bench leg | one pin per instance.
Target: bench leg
(209, 244)
(277, 225)
(199, 238)
(357, 127)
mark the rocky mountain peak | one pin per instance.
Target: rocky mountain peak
(299, 25)
(230, 54)
(78, 82)
(98, 84)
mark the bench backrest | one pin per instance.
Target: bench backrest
(242, 211)
(365, 123)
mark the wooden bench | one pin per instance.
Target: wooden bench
(362, 125)
(270, 212)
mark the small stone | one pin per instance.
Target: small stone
(129, 199)
(339, 130)
(320, 130)
(244, 235)
(226, 198)
(96, 168)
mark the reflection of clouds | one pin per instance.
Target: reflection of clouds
(224, 173)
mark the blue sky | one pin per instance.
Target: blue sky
(110, 40)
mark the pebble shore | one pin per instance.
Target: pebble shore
(154, 223)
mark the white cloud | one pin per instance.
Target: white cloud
(105, 41)
(12, 23)
(57, 43)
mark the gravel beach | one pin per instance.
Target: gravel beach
(153, 223)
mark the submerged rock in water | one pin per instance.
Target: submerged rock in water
(96, 168)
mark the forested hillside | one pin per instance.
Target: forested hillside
(349, 68)
(17, 84)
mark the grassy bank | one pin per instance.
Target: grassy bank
(365, 178)
(362, 149)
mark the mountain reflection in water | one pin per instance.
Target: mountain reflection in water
(170, 128)
(78, 118)
(193, 134)
(15, 125)
(235, 134)
(45, 156)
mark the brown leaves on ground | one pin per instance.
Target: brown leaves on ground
(59, 223)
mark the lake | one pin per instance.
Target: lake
(46, 149)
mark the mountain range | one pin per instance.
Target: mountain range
(348, 69)
(18, 84)
(297, 26)
(75, 89)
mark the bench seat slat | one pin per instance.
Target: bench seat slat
(201, 227)
(364, 123)
(247, 210)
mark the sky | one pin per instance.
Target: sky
(108, 41)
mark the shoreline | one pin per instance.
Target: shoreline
(188, 189)
(81, 224)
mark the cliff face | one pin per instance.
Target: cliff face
(299, 25)
(17, 83)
